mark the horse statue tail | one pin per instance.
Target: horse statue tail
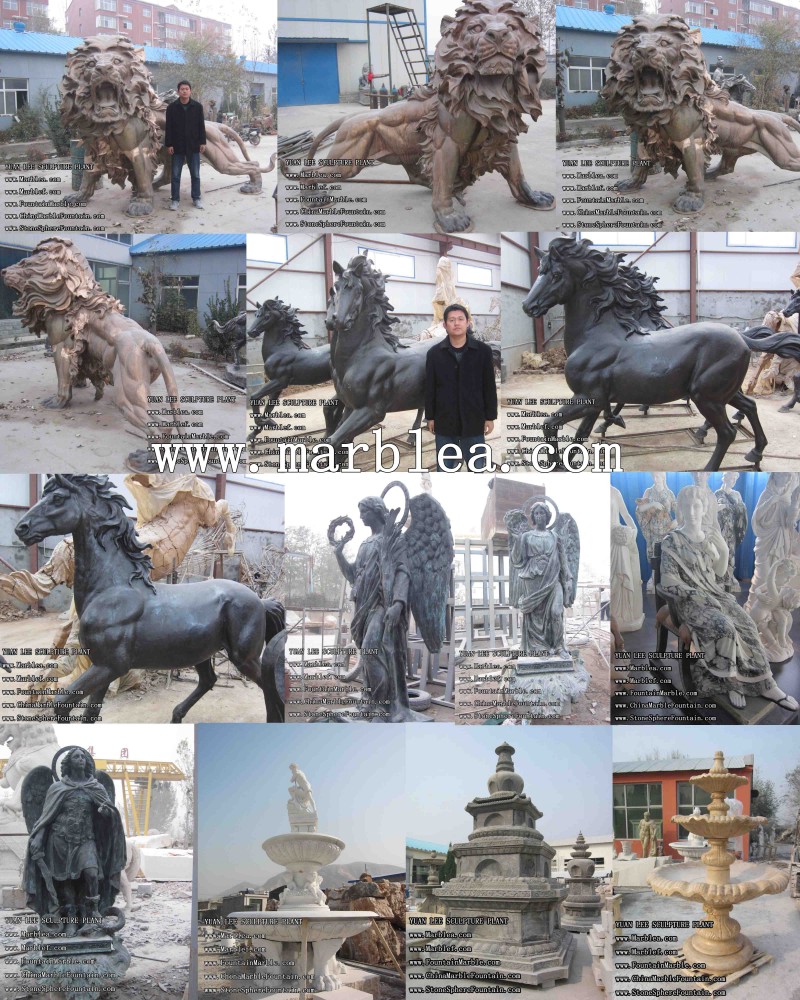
(272, 660)
(765, 340)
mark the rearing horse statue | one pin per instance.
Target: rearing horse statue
(612, 358)
(127, 621)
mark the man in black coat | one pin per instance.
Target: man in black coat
(185, 139)
(460, 392)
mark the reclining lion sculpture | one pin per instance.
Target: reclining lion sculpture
(657, 79)
(89, 334)
(107, 97)
(464, 123)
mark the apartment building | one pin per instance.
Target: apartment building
(144, 23)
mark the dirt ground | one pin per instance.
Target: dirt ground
(306, 421)
(158, 937)
(591, 709)
(756, 195)
(668, 444)
(225, 210)
(232, 700)
(88, 435)
(408, 206)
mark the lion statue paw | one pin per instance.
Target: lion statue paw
(56, 402)
(688, 201)
(139, 206)
(250, 188)
(536, 199)
(454, 221)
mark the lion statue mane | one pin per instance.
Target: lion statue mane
(486, 73)
(106, 83)
(657, 78)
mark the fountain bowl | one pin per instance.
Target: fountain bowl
(296, 850)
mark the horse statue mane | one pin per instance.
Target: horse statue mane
(376, 303)
(112, 522)
(626, 291)
(285, 316)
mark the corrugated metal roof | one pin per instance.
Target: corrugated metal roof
(696, 764)
(426, 845)
(176, 242)
(60, 45)
(598, 20)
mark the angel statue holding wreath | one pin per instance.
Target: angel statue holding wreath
(395, 574)
(76, 849)
(544, 574)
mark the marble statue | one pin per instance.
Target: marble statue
(776, 577)
(626, 577)
(695, 838)
(301, 807)
(732, 517)
(655, 512)
(444, 295)
(544, 553)
(648, 835)
(693, 560)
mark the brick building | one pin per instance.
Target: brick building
(25, 12)
(662, 788)
(144, 23)
(727, 15)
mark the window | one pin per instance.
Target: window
(581, 4)
(631, 802)
(146, 10)
(471, 274)
(125, 238)
(172, 33)
(762, 8)
(103, 21)
(114, 279)
(13, 95)
(614, 238)
(8, 24)
(146, 28)
(268, 248)
(10, 5)
(106, 5)
(127, 9)
(586, 72)
(127, 26)
(689, 797)
(178, 19)
(37, 8)
(402, 265)
(187, 284)
(774, 241)
(712, 12)
(693, 8)
(241, 291)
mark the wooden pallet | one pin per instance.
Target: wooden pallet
(701, 977)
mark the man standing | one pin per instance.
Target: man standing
(185, 140)
(460, 392)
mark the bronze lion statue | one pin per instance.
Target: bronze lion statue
(464, 123)
(86, 328)
(657, 78)
(107, 97)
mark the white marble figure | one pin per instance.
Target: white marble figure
(301, 807)
(626, 577)
(693, 561)
(732, 518)
(776, 577)
(696, 838)
(655, 512)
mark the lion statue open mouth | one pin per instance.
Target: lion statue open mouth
(657, 78)
(488, 64)
(107, 97)
(89, 334)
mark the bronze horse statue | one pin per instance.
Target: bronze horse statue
(613, 359)
(127, 621)
(288, 360)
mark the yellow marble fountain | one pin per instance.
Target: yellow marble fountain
(720, 947)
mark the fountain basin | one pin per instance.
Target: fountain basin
(293, 850)
(286, 925)
(721, 827)
(689, 850)
(748, 881)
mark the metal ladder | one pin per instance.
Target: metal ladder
(407, 34)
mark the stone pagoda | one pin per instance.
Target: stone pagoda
(503, 894)
(582, 907)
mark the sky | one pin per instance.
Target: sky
(567, 772)
(774, 751)
(463, 498)
(356, 774)
(143, 742)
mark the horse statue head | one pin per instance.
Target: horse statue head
(358, 306)
(279, 321)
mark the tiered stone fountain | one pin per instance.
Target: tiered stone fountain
(303, 917)
(721, 948)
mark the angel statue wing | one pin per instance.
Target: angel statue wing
(108, 783)
(429, 543)
(567, 530)
(517, 523)
(34, 789)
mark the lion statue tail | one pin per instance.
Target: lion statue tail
(788, 120)
(154, 350)
(330, 130)
(231, 134)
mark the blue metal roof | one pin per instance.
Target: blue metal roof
(60, 45)
(178, 242)
(425, 845)
(597, 20)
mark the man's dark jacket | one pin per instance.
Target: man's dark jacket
(186, 127)
(460, 396)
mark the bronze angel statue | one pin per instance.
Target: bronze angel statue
(396, 574)
(544, 550)
(76, 849)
